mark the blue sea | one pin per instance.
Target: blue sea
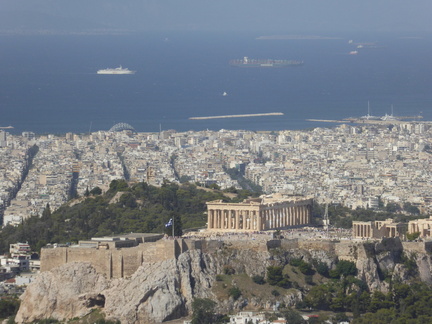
(48, 84)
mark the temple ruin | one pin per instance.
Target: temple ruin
(259, 214)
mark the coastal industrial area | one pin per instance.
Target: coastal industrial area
(352, 165)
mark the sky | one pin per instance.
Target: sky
(288, 16)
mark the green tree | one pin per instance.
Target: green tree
(346, 268)
(96, 191)
(203, 311)
(408, 207)
(381, 316)
(128, 200)
(234, 292)
(185, 178)
(306, 268)
(274, 275)
(118, 185)
(393, 208)
(413, 236)
(319, 297)
(8, 307)
(258, 279)
(341, 317)
(46, 214)
(292, 316)
(379, 301)
(214, 186)
(322, 268)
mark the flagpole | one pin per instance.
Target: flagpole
(173, 227)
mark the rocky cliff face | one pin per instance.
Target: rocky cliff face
(65, 292)
(164, 290)
(157, 292)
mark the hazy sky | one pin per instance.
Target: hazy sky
(234, 15)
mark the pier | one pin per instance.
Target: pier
(239, 116)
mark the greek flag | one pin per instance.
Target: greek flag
(169, 223)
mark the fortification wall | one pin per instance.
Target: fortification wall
(417, 247)
(119, 263)
(327, 246)
(189, 244)
(99, 260)
(289, 244)
(51, 258)
(254, 245)
(211, 246)
(113, 263)
(350, 250)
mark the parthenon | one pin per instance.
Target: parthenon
(259, 214)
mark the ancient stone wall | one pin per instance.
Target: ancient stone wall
(350, 251)
(99, 260)
(327, 246)
(289, 244)
(417, 247)
(120, 263)
(113, 263)
(51, 258)
(255, 245)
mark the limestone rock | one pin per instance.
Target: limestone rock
(152, 293)
(368, 272)
(160, 291)
(400, 273)
(65, 292)
(424, 268)
(164, 290)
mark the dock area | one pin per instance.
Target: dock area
(239, 116)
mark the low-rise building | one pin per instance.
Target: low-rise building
(19, 248)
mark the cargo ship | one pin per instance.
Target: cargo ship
(119, 70)
(270, 63)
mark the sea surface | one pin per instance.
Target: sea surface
(48, 84)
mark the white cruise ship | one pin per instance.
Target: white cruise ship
(118, 70)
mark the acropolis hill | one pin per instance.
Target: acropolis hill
(157, 281)
(123, 262)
